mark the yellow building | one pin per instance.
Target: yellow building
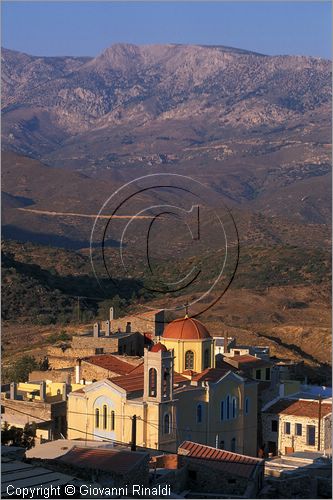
(174, 395)
(41, 403)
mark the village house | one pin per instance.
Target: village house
(43, 404)
(125, 336)
(294, 424)
(176, 394)
(199, 470)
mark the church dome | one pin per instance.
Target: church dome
(186, 329)
(158, 347)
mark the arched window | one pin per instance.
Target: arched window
(189, 360)
(206, 359)
(97, 418)
(234, 407)
(199, 413)
(105, 417)
(152, 382)
(112, 420)
(166, 382)
(247, 406)
(166, 424)
(233, 444)
(222, 410)
(227, 404)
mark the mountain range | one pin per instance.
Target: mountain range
(255, 128)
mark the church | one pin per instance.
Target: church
(175, 394)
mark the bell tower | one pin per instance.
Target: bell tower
(158, 374)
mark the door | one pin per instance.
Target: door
(272, 447)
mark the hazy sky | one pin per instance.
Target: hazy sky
(87, 28)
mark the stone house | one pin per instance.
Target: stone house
(97, 367)
(208, 470)
(95, 343)
(294, 424)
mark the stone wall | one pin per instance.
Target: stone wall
(202, 477)
(297, 443)
(297, 486)
(85, 346)
(66, 375)
(152, 322)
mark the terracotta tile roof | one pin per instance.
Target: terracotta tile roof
(299, 408)
(137, 369)
(132, 383)
(186, 329)
(226, 461)
(211, 374)
(110, 362)
(119, 462)
(135, 380)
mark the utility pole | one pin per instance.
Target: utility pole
(133, 442)
(319, 422)
(78, 309)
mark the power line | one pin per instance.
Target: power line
(122, 442)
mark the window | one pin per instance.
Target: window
(97, 418)
(258, 374)
(287, 427)
(222, 445)
(311, 435)
(268, 374)
(105, 417)
(189, 360)
(166, 380)
(228, 407)
(298, 429)
(199, 413)
(236, 353)
(274, 425)
(206, 359)
(192, 474)
(233, 445)
(166, 424)
(234, 408)
(112, 420)
(222, 410)
(152, 382)
(247, 406)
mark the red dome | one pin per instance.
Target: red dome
(158, 347)
(186, 329)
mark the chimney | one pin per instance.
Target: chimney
(42, 390)
(13, 390)
(78, 371)
(64, 391)
(128, 327)
(107, 328)
(96, 330)
(111, 314)
(225, 345)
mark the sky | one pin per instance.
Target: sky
(87, 28)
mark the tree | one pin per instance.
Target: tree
(15, 436)
(20, 370)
